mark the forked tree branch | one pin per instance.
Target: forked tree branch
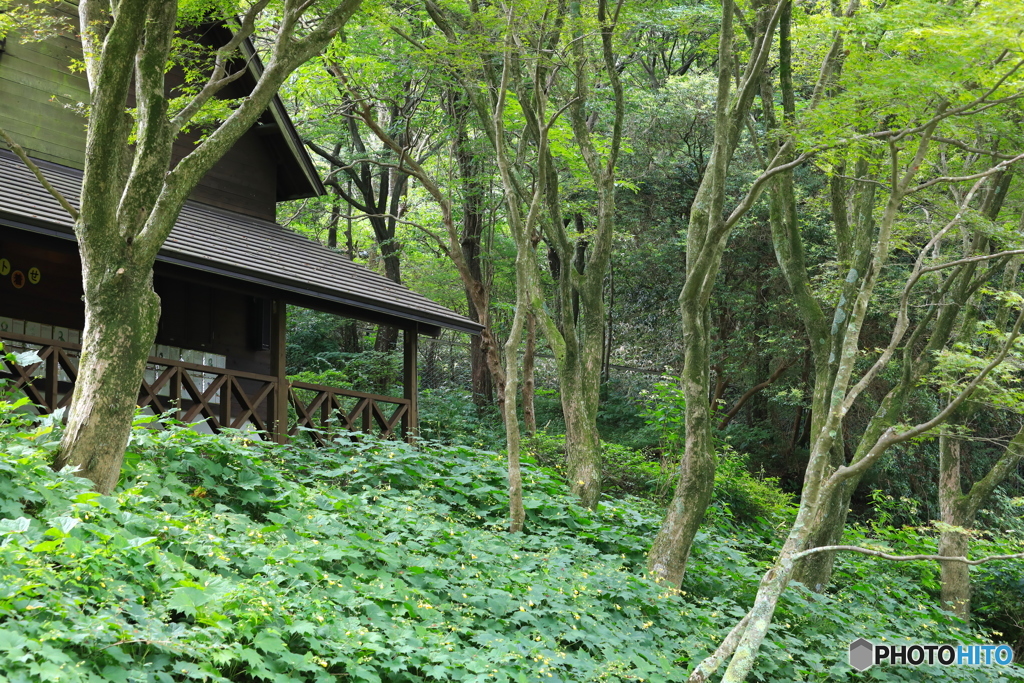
(785, 365)
(728, 645)
(892, 436)
(903, 316)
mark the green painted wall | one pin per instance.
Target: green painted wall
(41, 100)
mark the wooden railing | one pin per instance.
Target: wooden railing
(324, 410)
(217, 396)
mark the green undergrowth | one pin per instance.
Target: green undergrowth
(221, 559)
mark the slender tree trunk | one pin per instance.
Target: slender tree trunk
(959, 509)
(529, 355)
(707, 235)
(387, 335)
(472, 230)
(332, 227)
(513, 437)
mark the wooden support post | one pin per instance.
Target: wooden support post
(50, 379)
(174, 393)
(225, 402)
(410, 381)
(277, 402)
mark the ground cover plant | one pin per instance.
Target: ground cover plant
(220, 558)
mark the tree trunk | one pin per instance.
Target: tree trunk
(529, 354)
(582, 443)
(955, 576)
(387, 335)
(959, 509)
(474, 193)
(121, 315)
(815, 571)
(707, 234)
(131, 196)
(671, 548)
(513, 437)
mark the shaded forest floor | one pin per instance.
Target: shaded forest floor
(221, 559)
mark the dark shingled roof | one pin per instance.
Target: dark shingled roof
(236, 246)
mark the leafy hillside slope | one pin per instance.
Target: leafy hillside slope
(220, 559)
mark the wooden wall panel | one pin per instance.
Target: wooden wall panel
(195, 315)
(40, 103)
(199, 317)
(41, 99)
(245, 180)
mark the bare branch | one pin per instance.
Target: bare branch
(561, 110)
(902, 317)
(892, 437)
(980, 103)
(902, 558)
(758, 185)
(17, 149)
(956, 179)
(302, 207)
(211, 88)
(972, 259)
(973, 150)
(219, 78)
(785, 365)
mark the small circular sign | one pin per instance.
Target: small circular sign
(5, 266)
(18, 279)
(34, 275)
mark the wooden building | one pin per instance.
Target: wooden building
(224, 276)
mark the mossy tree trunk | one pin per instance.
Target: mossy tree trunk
(707, 234)
(930, 334)
(131, 197)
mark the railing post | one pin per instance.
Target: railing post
(225, 401)
(50, 379)
(277, 405)
(410, 377)
(174, 393)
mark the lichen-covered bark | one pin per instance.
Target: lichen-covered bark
(671, 548)
(582, 443)
(513, 438)
(529, 384)
(121, 314)
(955, 576)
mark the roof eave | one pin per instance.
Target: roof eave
(428, 324)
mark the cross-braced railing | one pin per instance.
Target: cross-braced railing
(324, 410)
(219, 397)
(191, 392)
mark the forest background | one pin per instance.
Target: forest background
(544, 167)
